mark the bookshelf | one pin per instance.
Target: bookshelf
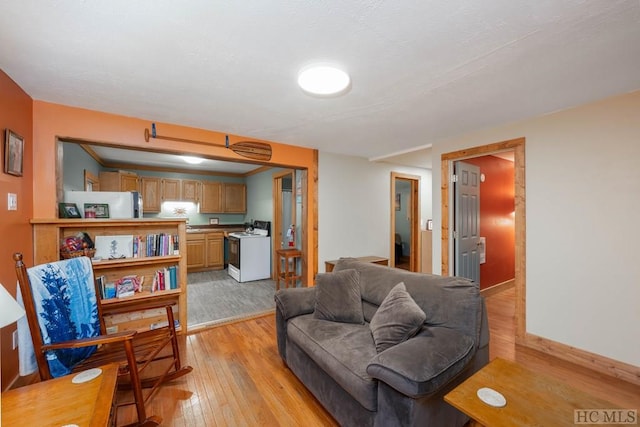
(47, 234)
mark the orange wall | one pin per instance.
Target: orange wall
(497, 194)
(16, 110)
(53, 120)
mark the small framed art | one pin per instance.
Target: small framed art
(68, 210)
(96, 210)
(13, 153)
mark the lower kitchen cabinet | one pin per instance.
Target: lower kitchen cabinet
(205, 251)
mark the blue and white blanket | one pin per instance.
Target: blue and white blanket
(65, 301)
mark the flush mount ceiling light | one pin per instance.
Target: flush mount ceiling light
(192, 160)
(323, 80)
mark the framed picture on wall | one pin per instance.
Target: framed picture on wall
(13, 153)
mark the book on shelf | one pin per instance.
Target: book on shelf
(128, 285)
(156, 244)
(107, 290)
(165, 279)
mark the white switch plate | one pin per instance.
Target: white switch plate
(12, 202)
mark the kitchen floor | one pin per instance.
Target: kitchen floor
(214, 297)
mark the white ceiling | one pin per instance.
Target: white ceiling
(421, 70)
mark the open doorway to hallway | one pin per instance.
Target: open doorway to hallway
(405, 221)
(492, 238)
(519, 218)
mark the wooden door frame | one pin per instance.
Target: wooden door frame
(277, 226)
(518, 146)
(415, 242)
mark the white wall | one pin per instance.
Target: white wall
(583, 207)
(354, 206)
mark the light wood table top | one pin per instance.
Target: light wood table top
(59, 401)
(329, 265)
(532, 399)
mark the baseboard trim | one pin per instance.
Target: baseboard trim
(234, 319)
(596, 362)
(495, 289)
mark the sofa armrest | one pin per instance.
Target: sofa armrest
(295, 301)
(425, 363)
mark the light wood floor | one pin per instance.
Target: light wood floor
(239, 379)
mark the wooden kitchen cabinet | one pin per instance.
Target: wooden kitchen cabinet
(215, 251)
(118, 181)
(190, 190)
(48, 233)
(205, 251)
(170, 190)
(211, 197)
(150, 192)
(180, 190)
(195, 251)
(235, 198)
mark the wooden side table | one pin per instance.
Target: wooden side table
(532, 399)
(329, 265)
(289, 276)
(60, 402)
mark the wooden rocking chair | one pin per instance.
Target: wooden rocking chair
(146, 359)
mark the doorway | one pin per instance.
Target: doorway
(284, 206)
(405, 221)
(518, 148)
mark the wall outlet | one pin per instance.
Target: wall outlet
(15, 339)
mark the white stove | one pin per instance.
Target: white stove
(250, 253)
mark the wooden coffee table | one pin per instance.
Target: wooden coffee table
(532, 399)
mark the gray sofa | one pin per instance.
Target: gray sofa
(362, 383)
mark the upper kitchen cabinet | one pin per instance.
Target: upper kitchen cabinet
(180, 190)
(118, 181)
(151, 195)
(190, 190)
(211, 197)
(235, 198)
(219, 197)
(170, 189)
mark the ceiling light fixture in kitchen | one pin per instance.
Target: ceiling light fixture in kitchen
(192, 160)
(323, 80)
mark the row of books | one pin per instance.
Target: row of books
(160, 244)
(124, 287)
(163, 279)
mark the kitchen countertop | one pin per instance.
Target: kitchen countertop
(205, 228)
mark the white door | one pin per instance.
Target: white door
(467, 220)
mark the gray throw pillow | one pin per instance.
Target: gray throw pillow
(398, 318)
(338, 297)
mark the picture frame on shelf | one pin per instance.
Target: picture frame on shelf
(96, 210)
(114, 247)
(13, 153)
(68, 210)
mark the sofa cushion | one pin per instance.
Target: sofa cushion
(422, 365)
(338, 297)
(342, 350)
(454, 302)
(398, 319)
